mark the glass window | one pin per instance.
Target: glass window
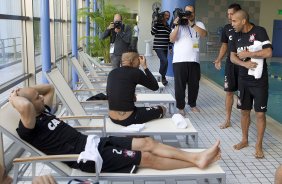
(37, 43)
(11, 7)
(11, 64)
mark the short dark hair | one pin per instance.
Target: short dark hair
(235, 6)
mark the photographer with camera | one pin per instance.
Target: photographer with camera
(161, 30)
(120, 36)
(186, 64)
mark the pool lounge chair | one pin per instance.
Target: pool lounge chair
(9, 122)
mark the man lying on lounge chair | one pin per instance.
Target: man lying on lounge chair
(52, 136)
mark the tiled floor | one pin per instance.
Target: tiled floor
(240, 166)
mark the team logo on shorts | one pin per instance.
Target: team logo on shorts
(129, 153)
(252, 37)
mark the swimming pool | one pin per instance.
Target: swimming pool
(275, 85)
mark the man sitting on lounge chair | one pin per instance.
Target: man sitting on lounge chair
(52, 136)
(121, 85)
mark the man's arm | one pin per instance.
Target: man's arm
(236, 60)
(106, 34)
(222, 52)
(24, 107)
(202, 32)
(47, 91)
(261, 54)
(173, 34)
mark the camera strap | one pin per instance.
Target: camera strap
(191, 32)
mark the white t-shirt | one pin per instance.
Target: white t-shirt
(186, 46)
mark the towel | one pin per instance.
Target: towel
(91, 152)
(134, 128)
(179, 121)
(257, 72)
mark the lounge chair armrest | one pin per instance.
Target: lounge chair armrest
(85, 90)
(91, 102)
(47, 158)
(82, 117)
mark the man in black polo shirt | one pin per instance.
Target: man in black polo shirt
(251, 90)
(231, 70)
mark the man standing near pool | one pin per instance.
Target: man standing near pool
(251, 90)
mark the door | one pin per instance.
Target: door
(277, 38)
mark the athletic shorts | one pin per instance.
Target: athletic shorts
(118, 156)
(231, 76)
(249, 95)
(141, 115)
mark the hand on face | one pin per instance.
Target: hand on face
(143, 63)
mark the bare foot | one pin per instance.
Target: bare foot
(240, 145)
(209, 156)
(225, 125)
(182, 112)
(259, 153)
(195, 109)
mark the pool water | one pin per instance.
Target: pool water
(275, 85)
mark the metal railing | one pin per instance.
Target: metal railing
(9, 51)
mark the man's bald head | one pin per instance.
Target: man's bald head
(242, 15)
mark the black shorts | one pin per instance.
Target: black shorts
(249, 95)
(231, 76)
(141, 115)
(118, 156)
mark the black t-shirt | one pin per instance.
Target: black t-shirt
(52, 136)
(241, 41)
(226, 37)
(121, 86)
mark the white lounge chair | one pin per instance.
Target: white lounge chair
(9, 122)
(55, 77)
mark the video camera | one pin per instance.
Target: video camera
(183, 16)
(157, 17)
(117, 24)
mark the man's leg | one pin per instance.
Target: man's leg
(162, 55)
(161, 156)
(115, 60)
(228, 108)
(180, 82)
(261, 123)
(194, 77)
(245, 123)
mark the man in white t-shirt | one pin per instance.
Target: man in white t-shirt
(186, 64)
(134, 39)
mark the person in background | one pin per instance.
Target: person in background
(120, 38)
(161, 31)
(186, 63)
(231, 70)
(135, 35)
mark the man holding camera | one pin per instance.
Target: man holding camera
(186, 64)
(161, 31)
(120, 36)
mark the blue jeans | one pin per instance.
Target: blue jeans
(162, 54)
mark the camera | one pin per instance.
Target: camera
(183, 16)
(157, 17)
(117, 24)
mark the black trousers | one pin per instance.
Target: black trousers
(186, 73)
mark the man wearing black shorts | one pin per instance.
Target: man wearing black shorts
(52, 136)
(251, 90)
(121, 85)
(231, 70)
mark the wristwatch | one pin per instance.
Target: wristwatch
(193, 25)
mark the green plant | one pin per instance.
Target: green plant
(103, 17)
